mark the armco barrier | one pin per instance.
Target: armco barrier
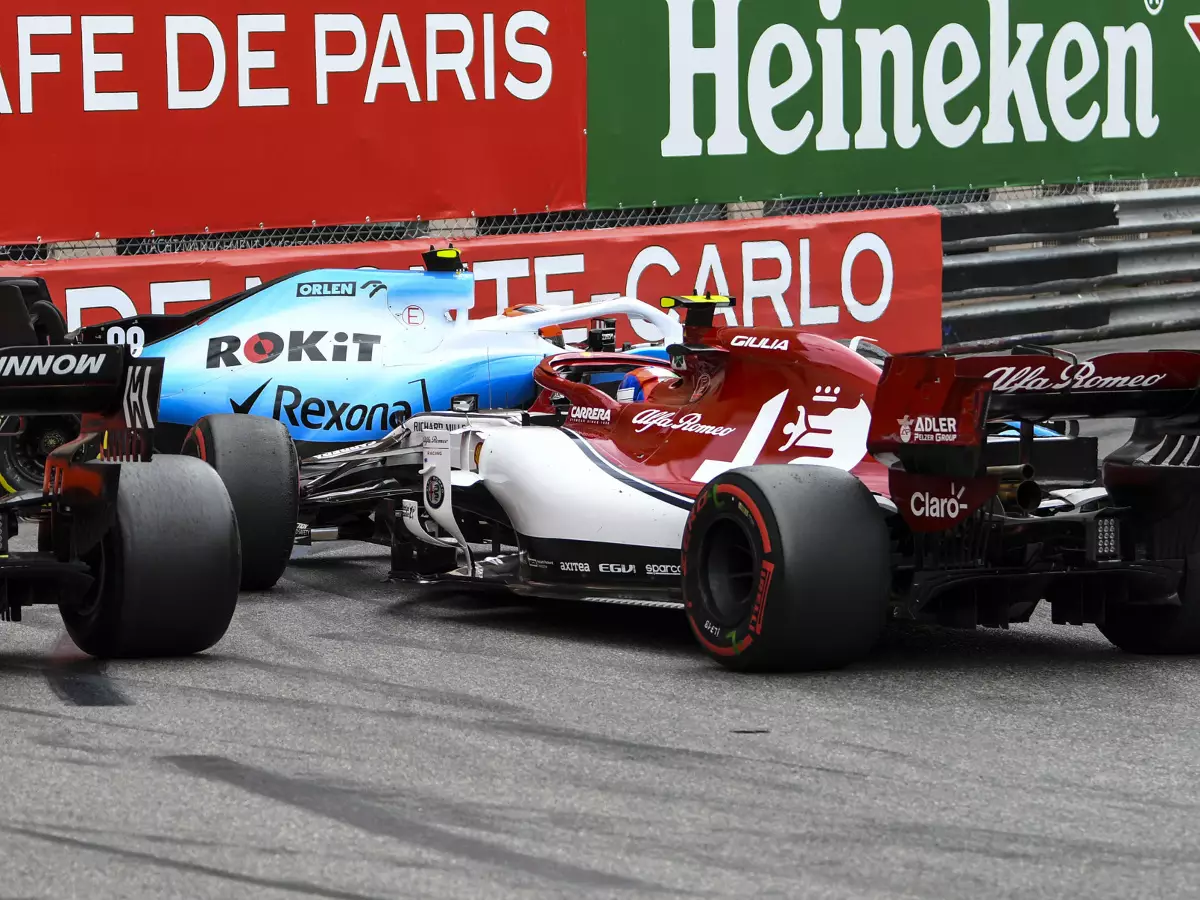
(876, 274)
(1071, 268)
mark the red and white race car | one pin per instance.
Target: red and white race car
(792, 493)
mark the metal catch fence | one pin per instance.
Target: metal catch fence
(541, 222)
(1022, 264)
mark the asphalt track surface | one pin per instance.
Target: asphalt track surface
(351, 740)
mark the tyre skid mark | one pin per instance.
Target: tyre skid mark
(297, 887)
(347, 807)
(81, 680)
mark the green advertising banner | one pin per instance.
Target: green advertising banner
(725, 100)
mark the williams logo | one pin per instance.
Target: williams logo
(267, 346)
(327, 289)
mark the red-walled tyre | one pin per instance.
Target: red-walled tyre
(256, 459)
(786, 568)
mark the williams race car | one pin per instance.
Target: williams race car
(139, 552)
(791, 493)
(339, 357)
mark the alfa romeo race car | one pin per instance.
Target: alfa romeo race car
(139, 552)
(791, 493)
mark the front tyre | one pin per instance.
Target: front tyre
(257, 460)
(167, 572)
(786, 568)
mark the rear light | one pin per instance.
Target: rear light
(1106, 543)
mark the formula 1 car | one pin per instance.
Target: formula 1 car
(792, 492)
(140, 553)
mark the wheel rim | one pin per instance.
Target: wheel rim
(729, 571)
(96, 560)
(32, 448)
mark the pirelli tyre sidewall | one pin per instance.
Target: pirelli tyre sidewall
(786, 568)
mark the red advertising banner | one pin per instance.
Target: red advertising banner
(219, 116)
(876, 275)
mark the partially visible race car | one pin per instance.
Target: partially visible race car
(339, 357)
(139, 552)
(792, 493)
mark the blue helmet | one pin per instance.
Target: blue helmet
(639, 382)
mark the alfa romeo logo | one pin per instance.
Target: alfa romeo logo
(1154, 7)
(435, 492)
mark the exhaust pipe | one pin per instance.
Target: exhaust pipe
(1017, 487)
(1023, 472)
(1025, 495)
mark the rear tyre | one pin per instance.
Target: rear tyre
(256, 459)
(1154, 629)
(167, 572)
(786, 568)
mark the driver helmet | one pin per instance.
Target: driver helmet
(638, 384)
(552, 333)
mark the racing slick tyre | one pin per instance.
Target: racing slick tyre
(1156, 629)
(257, 460)
(167, 571)
(786, 568)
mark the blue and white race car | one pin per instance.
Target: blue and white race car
(340, 357)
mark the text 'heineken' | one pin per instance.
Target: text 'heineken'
(1022, 101)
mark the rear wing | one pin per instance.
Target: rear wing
(115, 395)
(98, 380)
(932, 412)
